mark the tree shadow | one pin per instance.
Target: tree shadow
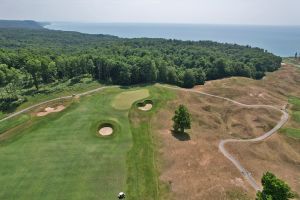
(141, 85)
(181, 136)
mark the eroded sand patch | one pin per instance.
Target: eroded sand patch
(106, 131)
(49, 110)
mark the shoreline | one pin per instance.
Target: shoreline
(245, 35)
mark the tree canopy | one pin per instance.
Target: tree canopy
(181, 119)
(44, 56)
(274, 188)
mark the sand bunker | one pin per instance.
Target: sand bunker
(147, 107)
(105, 131)
(49, 110)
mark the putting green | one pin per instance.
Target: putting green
(124, 100)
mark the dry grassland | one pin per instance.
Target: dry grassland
(193, 168)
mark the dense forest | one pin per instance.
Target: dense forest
(31, 57)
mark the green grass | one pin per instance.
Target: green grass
(2, 115)
(296, 116)
(124, 100)
(55, 90)
(293, 132)
(61, 157)
(295, 101)
(62, 89)
(13, 122)
(143, 176)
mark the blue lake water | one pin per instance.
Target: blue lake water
(280, 40)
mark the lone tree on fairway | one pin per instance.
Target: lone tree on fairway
(181, 119)
(274, 189)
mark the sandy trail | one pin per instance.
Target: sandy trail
(246, 174)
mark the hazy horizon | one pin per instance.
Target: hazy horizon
(216, 12)
(158, 23)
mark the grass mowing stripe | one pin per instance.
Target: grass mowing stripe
(143, 176)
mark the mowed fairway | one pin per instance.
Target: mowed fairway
(124, 100)
(60, 156)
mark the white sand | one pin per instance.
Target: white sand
(105, 131)
(147, 107)
(49, 110)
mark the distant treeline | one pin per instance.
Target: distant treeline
(29, 24)
(34, 57)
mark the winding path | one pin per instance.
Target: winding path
(247, 175)
(53, 100)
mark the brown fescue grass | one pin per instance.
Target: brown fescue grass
(195, 169)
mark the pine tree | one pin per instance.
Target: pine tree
(182, 119)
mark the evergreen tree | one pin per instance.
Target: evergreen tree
(274, 189)
(181, 119)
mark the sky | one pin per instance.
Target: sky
(255, 12)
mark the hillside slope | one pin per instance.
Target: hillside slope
(194, 168)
